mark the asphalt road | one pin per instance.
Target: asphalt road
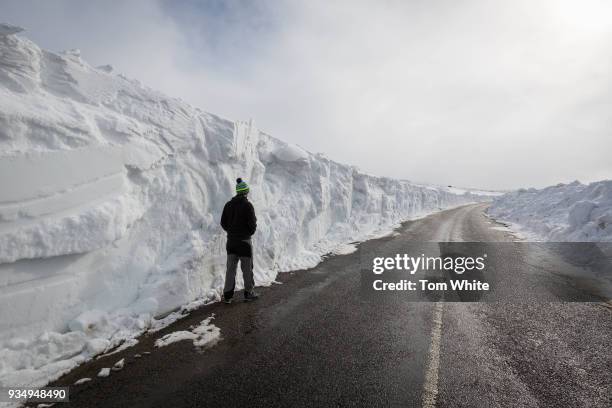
(316, 340)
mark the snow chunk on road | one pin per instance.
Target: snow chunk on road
(104, 372)
(204, 335)
(82, 381)
(119, 365)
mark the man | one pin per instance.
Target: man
(239, 221)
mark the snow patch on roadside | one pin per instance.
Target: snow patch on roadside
(203, 335)
(566, 212)
(345, 249)
(124, 346)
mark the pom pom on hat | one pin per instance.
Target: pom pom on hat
(241, 186)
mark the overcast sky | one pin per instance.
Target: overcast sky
(491, 94)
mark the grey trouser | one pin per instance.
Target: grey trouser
(246, 264)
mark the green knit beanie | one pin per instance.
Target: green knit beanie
(241, 186)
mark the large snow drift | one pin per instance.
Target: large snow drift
(110, 197)
(565, 212)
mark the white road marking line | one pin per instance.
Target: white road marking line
(430, 387)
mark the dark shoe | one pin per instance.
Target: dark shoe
(249, 296)
(226, 300)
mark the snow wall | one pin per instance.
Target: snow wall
(110, 200)
(565, 212)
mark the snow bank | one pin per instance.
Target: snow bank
(110, 197)
(565, 212)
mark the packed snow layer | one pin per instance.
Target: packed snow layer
(110, 199)
(565, 212)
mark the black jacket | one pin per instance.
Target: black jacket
(238, 219)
